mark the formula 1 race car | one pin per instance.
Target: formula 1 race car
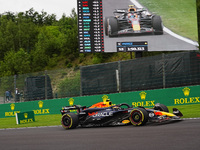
(132, 21)
(106, 114)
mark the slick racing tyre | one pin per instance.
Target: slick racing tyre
(161, 107)
(106, 25)
(157, 25)
(139, 116)
(112, 27)
(69, 121)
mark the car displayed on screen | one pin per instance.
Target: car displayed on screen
(107, 114)
(132, 21)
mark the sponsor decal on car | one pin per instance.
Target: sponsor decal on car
(126, 121)
(101, 114)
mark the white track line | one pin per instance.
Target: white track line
(190, 118)
(29, 127)
(137, 4)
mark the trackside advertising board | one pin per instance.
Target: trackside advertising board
(148, 98)
(25, 117)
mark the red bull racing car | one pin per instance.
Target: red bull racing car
(106, 114)
(132, 21)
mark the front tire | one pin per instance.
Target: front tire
(69, 121)
(106, 25)
(139, 116)
(112, 27)
(157, 25)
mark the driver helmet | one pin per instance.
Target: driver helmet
(131, 8)
(108, 102)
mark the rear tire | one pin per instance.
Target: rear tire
(157, 25)
(139, 116)
(69, 121)
(112, 27)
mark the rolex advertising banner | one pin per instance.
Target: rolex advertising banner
(25, 117)
(148, 98)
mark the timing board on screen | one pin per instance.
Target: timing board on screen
(105, 24)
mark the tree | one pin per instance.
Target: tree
(15, 63)
(27, 32)
(69, 86)
(50, 40)
(68, 26)
(39, 59)
(8, 32)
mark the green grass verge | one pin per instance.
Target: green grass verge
(180, 16)
(189, 111)
(40, 120)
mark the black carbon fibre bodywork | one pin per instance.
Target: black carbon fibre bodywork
(132, 21)
(118, 115)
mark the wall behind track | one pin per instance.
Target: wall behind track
(170, 97)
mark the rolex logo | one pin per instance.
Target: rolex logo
(105, 97)
(143, 95)
(71, 101)
(40, 104)
(25, 115)
(186, 91)
(12, 106)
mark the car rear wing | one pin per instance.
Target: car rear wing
(74, 109)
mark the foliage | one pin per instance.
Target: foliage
(70, 86)
(15, 63)
(32, 41)
(6, 83)
(101, 57)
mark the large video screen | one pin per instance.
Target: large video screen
(137, 25)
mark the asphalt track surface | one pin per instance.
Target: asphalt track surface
(181, 135)
(165, 42)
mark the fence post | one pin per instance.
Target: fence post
(81, 91)
(117, 78)
(163, 70)
(45, 84)
(119, 75)
(15, 79)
